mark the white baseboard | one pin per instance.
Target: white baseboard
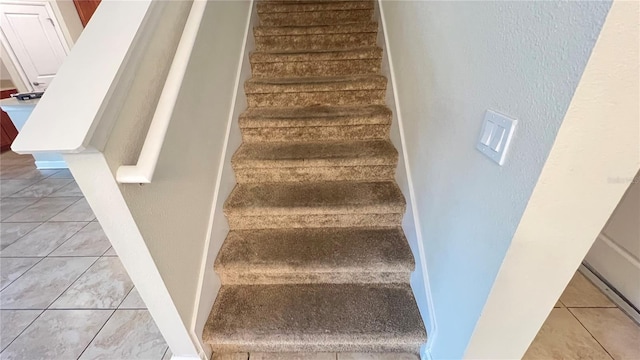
(176, 357)
(610, 293)
(49, 164)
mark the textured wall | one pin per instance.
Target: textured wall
(452, 62)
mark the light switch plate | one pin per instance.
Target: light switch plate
(496, 135)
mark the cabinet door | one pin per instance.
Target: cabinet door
(31, 34)
(86, 8)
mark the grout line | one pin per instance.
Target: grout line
(165, 353)
(96, 334)
(125, 297)
(592, 336)
(23, 330)
(69, 238)
(26, 271)
(73, 282)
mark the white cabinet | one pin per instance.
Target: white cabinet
(31, 35)
(616, 253)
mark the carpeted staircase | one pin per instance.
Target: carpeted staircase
(316, 260)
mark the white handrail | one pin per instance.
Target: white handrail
(142, 172)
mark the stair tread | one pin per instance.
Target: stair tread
(319, 250)
(327, 153)
(373, 52)
(315, 116)
(264, 85)
(315, 316)
(360, 27)
(309, 6)
(316, 198)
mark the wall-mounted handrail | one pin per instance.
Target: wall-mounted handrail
(142, 172)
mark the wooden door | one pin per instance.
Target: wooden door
(33, 38)
(86, 8)
(8, 132)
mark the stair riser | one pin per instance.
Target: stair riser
(316, 68)
(308, 18)
(316, 133)
(240, 221)
(293, 6)
(330, 98)
(244, 277)
(274, 346)
(315, 42)
(303, 174)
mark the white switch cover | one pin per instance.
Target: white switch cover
(496, 135)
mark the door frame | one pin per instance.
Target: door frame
(23, 81)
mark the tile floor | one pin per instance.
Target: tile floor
(64, 294)
(584, 325)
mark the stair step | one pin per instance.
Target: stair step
(315, 123)
(305, 6)
(315, 318)
(324, 255)
(315, 161)
(304, 38)
(336, 91)
(321, 204)
(317, 63)
(326, 14)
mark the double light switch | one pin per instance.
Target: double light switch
(495, 136)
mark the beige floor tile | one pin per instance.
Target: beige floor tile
(62, 174)
(10, 206)
(90, 241)
(25, 172)
(377, 356)
(42, 284)
(562, 337)
(13, 322)
(129, 334)
(80, 211)
(582, 293)
(133, 301)
(71, 189)
(57, 334)
(42, 210)
(103, 286)
(13, 268)
(558, 304)
(613, 329)
(10, 187)
(43, 188)
(10, 232)
(110, 252)
(43, 240)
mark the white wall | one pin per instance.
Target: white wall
(225, 182)
(574, 196)
(4, 72)
(453, 61)
(173, 213)
(68, 18)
